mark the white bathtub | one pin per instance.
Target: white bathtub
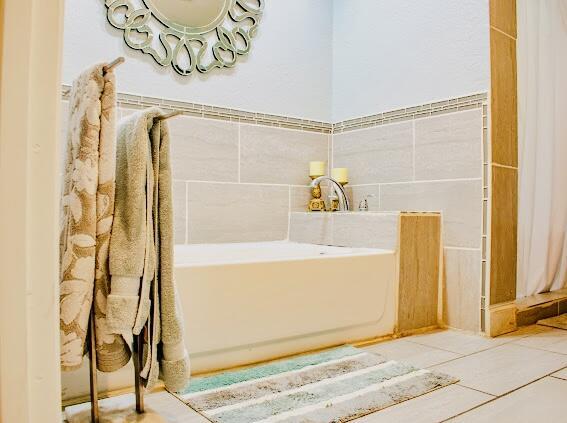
(249, 302)
(254, 301)
(260, 252)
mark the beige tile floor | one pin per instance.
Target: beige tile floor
(519, 377)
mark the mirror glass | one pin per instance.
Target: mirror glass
(190, 16)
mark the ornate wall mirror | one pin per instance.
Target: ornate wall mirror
(189, 35)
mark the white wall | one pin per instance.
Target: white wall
(316, 59)
(288, 71)
(395, 53)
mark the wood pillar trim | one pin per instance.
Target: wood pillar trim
(504, 152)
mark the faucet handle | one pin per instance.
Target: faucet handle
(363, 205)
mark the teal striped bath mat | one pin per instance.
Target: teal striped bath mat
(337, 385)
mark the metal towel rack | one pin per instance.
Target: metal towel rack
(138, 343)
(109, 66)
(170, 115)
(137, 358)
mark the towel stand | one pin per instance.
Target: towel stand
(137, 358)
(108, 67)
(138, 341)
(170, 115)
(91, 339)
(92, 367)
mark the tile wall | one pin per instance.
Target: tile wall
(356, 229)
(237, 182)
(238, 175)
(429, 162)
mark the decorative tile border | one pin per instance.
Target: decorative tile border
(485, 269)
(474, 101)
(234, 115)
(221, 113)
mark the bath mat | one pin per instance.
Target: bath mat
(559, 322)
(336, 385)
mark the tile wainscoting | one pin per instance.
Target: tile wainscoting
(235, 181)
(238, 175)
(430, 163)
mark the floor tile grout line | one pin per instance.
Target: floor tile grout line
(367, 348)
(190, 408)
(497, 397)
(476, 352)
(476, 390)
(462, 355)
(445, 361)
(454, 352)
(402, 402)
(479, 351)
(428, 346)
(538, 348)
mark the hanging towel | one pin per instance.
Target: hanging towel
(141, 250)
(87, 214)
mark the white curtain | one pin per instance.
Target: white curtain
(542, 97)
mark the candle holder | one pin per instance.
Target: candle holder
(334, 206)
(339, 174)
(316, 204)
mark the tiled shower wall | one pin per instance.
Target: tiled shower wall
(238, 175)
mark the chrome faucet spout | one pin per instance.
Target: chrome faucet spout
(337, 188)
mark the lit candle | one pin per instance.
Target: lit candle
(340, 174)
(317, 169)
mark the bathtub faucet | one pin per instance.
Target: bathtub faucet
(336, 188)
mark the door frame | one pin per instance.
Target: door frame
(30, 83)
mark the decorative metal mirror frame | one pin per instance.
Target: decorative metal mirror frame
(216, 45)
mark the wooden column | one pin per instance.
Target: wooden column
(504, 157)
(500, 286)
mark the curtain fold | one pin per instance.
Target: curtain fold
(542, 100)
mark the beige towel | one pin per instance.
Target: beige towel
(88, 204)
(141, 249)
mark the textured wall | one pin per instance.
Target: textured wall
(314, 59)
(288, 71)
(390, 54)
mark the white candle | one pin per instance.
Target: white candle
(317, 169)
(340, 174)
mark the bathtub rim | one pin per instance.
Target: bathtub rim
(353, 252)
